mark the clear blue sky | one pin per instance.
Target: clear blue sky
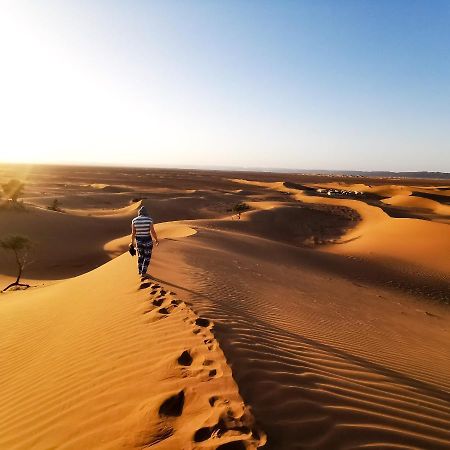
(300, 84)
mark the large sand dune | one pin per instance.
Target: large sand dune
(99, 362)
(331, 312)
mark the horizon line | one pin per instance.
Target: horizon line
(229, 168)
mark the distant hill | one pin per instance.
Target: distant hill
(359, 173)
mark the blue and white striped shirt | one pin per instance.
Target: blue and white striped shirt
(142, 225)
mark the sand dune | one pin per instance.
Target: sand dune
(331, 313)
(294, 224)
(166, 230)
(411, 201)
(100, 361)
(63, 244)
(380, 237)
(324, 361)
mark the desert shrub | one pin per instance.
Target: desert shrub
(20, 246)
(240, 207)
(55, 206)
(13, 189)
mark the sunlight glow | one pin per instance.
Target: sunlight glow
(192, 83)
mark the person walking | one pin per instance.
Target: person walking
(142, 230)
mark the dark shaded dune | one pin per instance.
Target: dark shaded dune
(64, 245)
(397, 212)
(308, 355)
(296, 225)
(300, 187)
(201, 205)
(115, 189)
(444, 199)
(409, 279)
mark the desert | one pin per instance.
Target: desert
(283, 311)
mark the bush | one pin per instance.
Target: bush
(13, 189)
(240, 208)
(55, 206)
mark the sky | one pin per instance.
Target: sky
(356, 85)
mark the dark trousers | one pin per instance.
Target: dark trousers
(144, 250)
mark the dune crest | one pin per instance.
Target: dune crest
(103, 361)
(165, 230)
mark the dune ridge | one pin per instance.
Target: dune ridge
(101, 361)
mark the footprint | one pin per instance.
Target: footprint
(144, 285)
(236, 445)
(176, 302)
(212, 373)
(158, 302)
(185, 358)
(173, 406)
(163, 311)
(203, 434)
(202, 322)
(218, 430)
(213, 400)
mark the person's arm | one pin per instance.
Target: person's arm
(153, 231)
(133, 234)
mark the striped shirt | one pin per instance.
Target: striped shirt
(142, 225)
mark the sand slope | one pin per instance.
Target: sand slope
(411, 201)
(382, 238)
(326, 362)
(103, 362)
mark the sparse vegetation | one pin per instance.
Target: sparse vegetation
(55, 206)
(239, 208)
(13, 189)
(20, 246)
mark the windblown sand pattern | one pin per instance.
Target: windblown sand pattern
(322, 368)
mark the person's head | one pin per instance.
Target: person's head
(143, 211)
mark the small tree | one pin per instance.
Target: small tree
(55, 206)
(240, 208)
(20, 246)
(13, 189)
